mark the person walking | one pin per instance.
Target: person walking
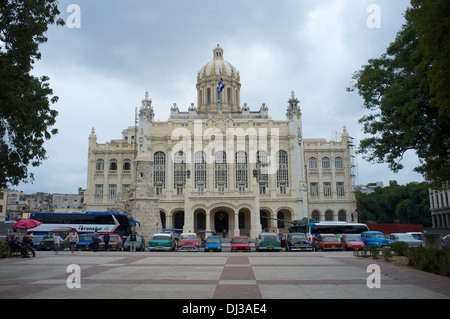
(73, 238)
(57, 239)
(133, 242)
(106, 240)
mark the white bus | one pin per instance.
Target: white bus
(336, 228)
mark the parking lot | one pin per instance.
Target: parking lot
(224, 275)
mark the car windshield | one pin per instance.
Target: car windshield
(114, 239)
(405, 237)
(161, 237)
(188, 237)
(213, 240)
(377, 236)
(240, 240)
(269, 238)
(352, 238)
(330, 238)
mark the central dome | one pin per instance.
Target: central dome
(208, 96)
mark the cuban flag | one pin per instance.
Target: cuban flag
(220, 84)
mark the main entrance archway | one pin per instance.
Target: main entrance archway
(221, 221)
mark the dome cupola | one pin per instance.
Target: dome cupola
(209, 96)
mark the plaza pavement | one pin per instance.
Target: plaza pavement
(225, 275)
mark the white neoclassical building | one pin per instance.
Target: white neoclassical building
(220, 165)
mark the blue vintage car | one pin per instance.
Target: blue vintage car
(86, 241)
(374, 238)
(213, 243)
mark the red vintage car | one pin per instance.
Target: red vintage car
(352, 242)
(328, 242)
(188, 242)
(240, 243)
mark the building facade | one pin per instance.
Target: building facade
(440, 208)
(220, 165)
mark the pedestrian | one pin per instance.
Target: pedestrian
(224, 233)
(27, 242)
(133, 242)
(58, 241)
(106, 240)
(73, 238)
(96, 239)
(313, 242)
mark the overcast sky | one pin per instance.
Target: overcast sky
(101, 70)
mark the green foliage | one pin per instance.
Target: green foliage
(429, 259)
(399, 248)
(387, 254)
(4, 251)
(404, 204)
(25, 113)
(374, 252)
(397, 89)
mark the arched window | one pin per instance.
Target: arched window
(312, 162)
(179, 171)
(113, 165)
(208, 96)
(283, 171)
(342, 216)
(228, 96)
(100, 165)
(126, 166)
(200, 171)
(159, 172)
(262, 176)
(241, 170)
(220, 167)
(328, 216)
(325, 162)
(338, 162)
(315, 215)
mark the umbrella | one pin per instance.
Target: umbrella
(26, 224)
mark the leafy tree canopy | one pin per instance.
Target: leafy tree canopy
(25, 113)
(407, 93)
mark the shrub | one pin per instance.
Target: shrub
(387, 254)
(429, 259)
(374, 251)
(399, 248)
(4, 251)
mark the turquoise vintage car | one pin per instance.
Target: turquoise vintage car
(162, 242)
(268, 241)
(374, 238)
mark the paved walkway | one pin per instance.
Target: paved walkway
(225, 275)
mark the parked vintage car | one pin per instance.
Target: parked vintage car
(297, 242)
(407, 238)
(352, 242)
(213, 243)
(86, 242)
(162, 242)
(188, 242)
(328, 242)
(115, 243)
(140, 243)
(240, 243)
(374, 238)
(49, 244)
(268, 241)
(416, 235)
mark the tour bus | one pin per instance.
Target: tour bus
(336, 228)
(88, 222)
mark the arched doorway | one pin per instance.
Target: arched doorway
(221, 221)
(264, 220)
(178, 220)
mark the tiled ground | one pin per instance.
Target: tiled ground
(212, 276)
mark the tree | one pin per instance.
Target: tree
(403, 204)
(397, 90)
(25, 113)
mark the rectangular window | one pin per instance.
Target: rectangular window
(340, 189)
(98, 192)
(314, 189)
(327, 189)
(112, 191)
